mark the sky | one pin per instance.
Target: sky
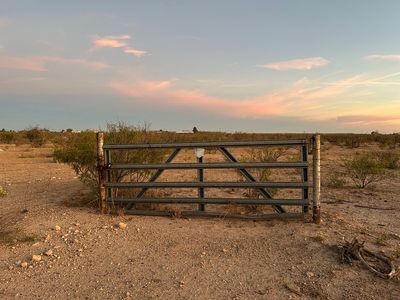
(248, 66)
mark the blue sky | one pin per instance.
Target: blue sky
(259, 66)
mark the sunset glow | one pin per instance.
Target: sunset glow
(269, 66)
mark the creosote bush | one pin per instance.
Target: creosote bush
(388, 159)
(364, 169)
(3, 191)
(265, 154)
(80, 152)
(36, 136)
(335, 179)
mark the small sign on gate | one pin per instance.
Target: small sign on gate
(199, 152)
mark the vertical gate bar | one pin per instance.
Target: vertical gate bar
(200, 176)
(108, 173)
(316, 179)
(250, 177)
(304, 175)
(101, 173)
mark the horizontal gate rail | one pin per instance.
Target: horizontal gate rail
(210, 201)
(207, 184)
(114, 191)
(194, 213)
(209, 165)
(207, 144)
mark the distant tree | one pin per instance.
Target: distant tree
(68, 130)
(195, 130)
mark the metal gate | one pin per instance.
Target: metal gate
(108, 185)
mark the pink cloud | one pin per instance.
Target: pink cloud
(135, 52)
(297, 64)
(387, 57)
(117, 41)
(111, 41)
(162, 92)
(368, 119)
(39, 63)
(22, 63)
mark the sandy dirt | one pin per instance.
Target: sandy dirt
(182, 258)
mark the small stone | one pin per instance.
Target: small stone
(35, 244)
(310, 274)
(293, 288)
(36, 258)
(181, 283)
(57, 228)
(49, 252)
(122, 225)
(224, 250)
(24, 264)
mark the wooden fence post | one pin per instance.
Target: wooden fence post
(316, 179)
(101, 171)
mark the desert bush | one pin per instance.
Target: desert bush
(3, 191)
(7, 137)
(335, 179)
(363, 169)
(36, 136)
(266, 154)
(80, 152)
(388, 159)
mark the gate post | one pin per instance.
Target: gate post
(316, 178)
(101, 171)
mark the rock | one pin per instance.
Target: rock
(122, 225)
(310, 274)
(57, 228)
(24, 264)
(224, 250)
(293, 288)
(49, 252)
(36, 258)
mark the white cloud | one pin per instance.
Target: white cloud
(297, 64)
(384, 57)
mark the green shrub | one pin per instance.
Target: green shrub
(80, 152)
(3, 191)
(7, 137)
(266, 154)
(335, 179)
(388, 159)
(36, 136)
(363, 169)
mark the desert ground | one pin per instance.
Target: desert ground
(81, 254)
